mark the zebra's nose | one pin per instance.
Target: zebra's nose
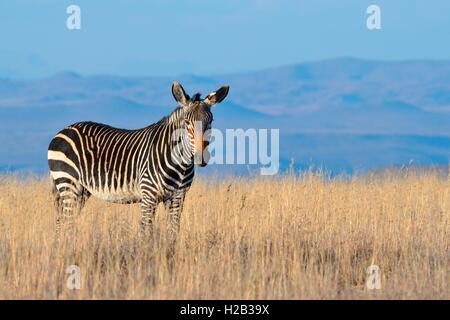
(201, 158)
(206, 156)
(198, 158)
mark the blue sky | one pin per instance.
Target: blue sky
(168, 37)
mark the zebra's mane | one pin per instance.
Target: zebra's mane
(175, 114)
(196, 97)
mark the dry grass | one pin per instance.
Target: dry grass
(288, 238)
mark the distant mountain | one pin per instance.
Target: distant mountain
(345, 114)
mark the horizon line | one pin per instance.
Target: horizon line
(192, 74)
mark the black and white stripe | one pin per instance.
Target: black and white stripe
(150, 165)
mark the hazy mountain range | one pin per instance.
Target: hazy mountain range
(343, 114)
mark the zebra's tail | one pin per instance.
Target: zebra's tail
(55, 192)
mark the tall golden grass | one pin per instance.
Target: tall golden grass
(293, 237)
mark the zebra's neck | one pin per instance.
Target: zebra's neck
(177, 142)
(177, 116)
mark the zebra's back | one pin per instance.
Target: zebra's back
(103, 159)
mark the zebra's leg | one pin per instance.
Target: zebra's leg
(174, 208)
(70, 199)
(148, 209)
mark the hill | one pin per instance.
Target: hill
(345, 114)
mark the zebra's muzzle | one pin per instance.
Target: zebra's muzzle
(202, 157)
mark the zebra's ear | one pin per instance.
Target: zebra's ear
(216, 96)
(179, 94)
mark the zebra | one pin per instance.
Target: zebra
(148, 166)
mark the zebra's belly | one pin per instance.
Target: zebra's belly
(116, 196)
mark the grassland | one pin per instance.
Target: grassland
(293, 237)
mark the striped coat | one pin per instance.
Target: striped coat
(150, 165)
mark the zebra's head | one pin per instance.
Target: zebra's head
(198, 118)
